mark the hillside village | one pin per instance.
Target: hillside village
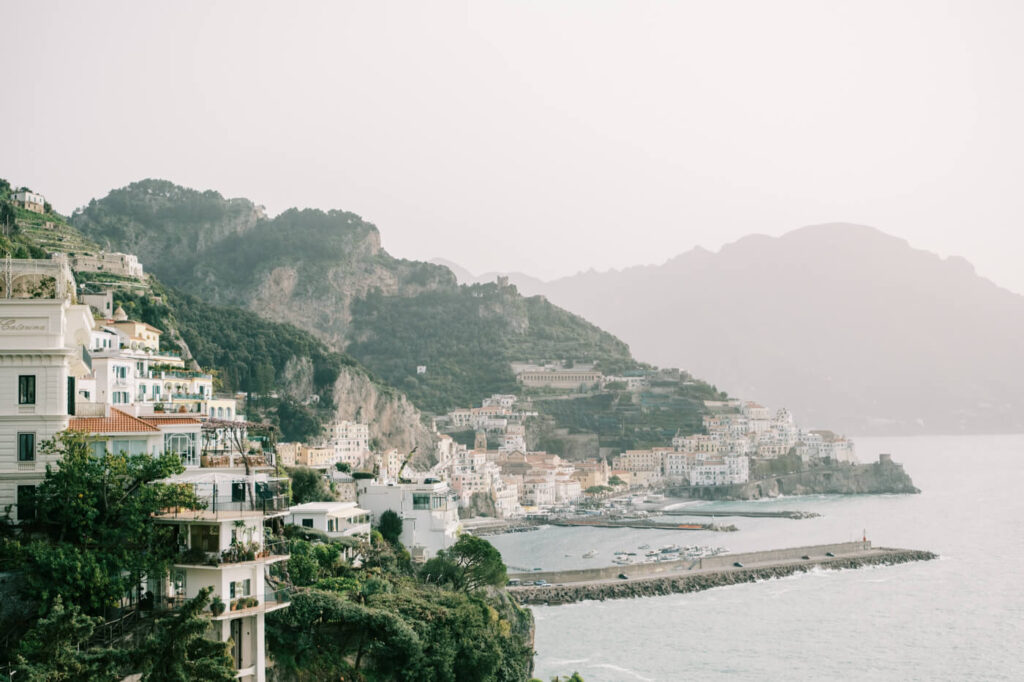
(82, 365)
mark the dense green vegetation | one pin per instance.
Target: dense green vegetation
(467, 337)
(93, 540)
(625, 420)
(250, 354)
(164, 224)
(390, 314)
(385, 621)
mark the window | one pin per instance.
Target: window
(307, 523)
(26, 502)
(420, 501)
(26, 447)
(237, 491)
(129, 446)
(240, 588)
(120, 372)
(27, 389)
(71, 396)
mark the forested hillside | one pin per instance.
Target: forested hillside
(291, 377)
(327, 273)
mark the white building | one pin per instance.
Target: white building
(32, 201)
(228, 548)
(336, 519)
(110, 430)
(727, 470)
(122, 264)
(43, 340)
(429, 513)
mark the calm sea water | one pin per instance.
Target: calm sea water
(958, 618)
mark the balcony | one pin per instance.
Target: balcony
(237, 553)
(234, 498)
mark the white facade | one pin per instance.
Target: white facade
(33, 201)
(43, 337)
(229, 534)
(336, 519)
(123, 264)
(429, 513)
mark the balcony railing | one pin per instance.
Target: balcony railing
(251, 551)
(237, 553)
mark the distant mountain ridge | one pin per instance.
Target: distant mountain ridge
(844, 324)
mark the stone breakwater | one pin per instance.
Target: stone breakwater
(705, 580)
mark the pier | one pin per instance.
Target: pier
(688, 575)
(642, 524)
(748, 514)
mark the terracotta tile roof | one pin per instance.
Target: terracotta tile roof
(117, 422)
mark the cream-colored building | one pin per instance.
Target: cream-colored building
(564, 378)
(121, 264)
(43, 341)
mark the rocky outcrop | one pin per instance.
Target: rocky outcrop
(881, 477)
(661, 586)
(394, 421)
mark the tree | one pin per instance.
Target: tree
(471, 563)
(55, 650)
(390, 526)
(615, 480)
(308, 485)
(343, 467)
(178, 650)
(7, 216)
(96, 534)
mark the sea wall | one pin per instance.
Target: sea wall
(697, 581)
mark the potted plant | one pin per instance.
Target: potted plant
(217, 606)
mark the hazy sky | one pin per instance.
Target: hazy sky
(546, 137)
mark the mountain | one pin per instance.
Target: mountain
(848, 327)
(298, 382)
(325, 272)
(523, 281)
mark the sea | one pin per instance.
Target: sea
(960, 617)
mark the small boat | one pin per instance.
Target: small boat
(645, 546)
(568, 555)
(591, 554)
(670, 549)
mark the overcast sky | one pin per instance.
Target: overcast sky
(547, 137)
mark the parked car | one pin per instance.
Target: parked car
(829, 554)
(514, 582)
(805, 557)
(737, 564)
(541, 583)
(527, 582)
(623, 576)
